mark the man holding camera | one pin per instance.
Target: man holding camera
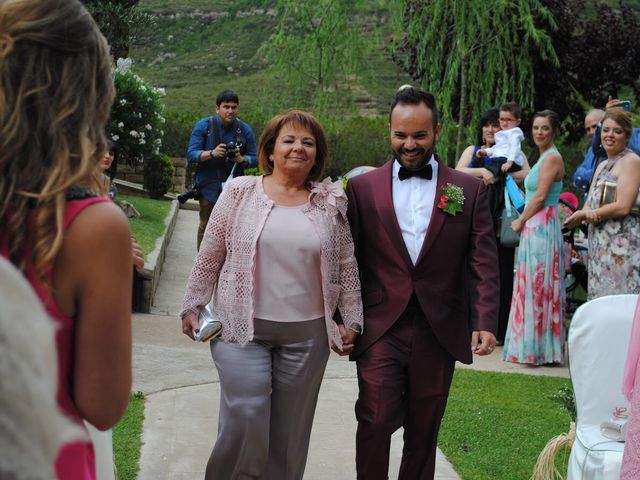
(218, 143)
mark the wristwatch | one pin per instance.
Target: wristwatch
(210, 153)
(356, 327)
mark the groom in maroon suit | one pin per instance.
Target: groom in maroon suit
(426, 251)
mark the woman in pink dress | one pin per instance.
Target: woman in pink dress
(631, 459)
(72, 245)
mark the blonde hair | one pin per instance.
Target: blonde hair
(56, 91)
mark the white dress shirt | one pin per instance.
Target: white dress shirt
(413, 202)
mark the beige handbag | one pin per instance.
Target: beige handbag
(609, 194)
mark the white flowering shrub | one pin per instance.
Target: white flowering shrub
(137, 116)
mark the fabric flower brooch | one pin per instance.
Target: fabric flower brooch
(329, 196)
(452, 199)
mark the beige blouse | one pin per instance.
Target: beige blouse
(288, 282)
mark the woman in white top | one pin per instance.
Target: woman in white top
(277, 258)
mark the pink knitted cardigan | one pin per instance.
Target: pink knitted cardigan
(223, 268)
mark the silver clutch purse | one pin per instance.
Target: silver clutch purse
(209, 325)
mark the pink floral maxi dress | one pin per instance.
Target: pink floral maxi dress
(535, 334)
(631, 389)
(614, 246)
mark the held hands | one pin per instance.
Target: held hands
(482, 342)
(348, 341)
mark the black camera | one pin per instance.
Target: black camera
(231, 148)
(193, 191)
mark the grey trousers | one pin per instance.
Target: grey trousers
(268, 395)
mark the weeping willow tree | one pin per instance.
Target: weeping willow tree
(119, 21)
(317, 51)
(472, 55)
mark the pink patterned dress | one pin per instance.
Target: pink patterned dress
(535, 334)
(631, 388)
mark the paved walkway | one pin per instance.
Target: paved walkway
(182, 389)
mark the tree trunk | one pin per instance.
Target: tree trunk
(462, 111)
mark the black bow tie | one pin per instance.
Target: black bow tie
(425, 172)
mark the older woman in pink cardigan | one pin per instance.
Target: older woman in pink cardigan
(277, 257)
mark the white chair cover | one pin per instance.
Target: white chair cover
(103, 447)
(598, 341)
(32, 426)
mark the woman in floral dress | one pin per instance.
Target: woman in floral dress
(535, 334)
(614, 229)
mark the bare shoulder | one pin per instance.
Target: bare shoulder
(630, 160)
(98, 239)
(99, 222)
(554, 157)
(553, 163)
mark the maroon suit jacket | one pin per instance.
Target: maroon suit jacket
(455, 277)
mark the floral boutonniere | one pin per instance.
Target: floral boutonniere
(452, 199)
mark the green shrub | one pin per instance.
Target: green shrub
(177, 131)
(158, 175)
(253, 172)
(356, 141)
(255, 119)
(136, 117)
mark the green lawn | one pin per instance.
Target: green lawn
(150, 226)
(127, 438)
(496, 424)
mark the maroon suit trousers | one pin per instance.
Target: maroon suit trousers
(404, 380)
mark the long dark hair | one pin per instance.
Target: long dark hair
(113, 169)
(490, 116)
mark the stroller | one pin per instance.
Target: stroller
(575, 256)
